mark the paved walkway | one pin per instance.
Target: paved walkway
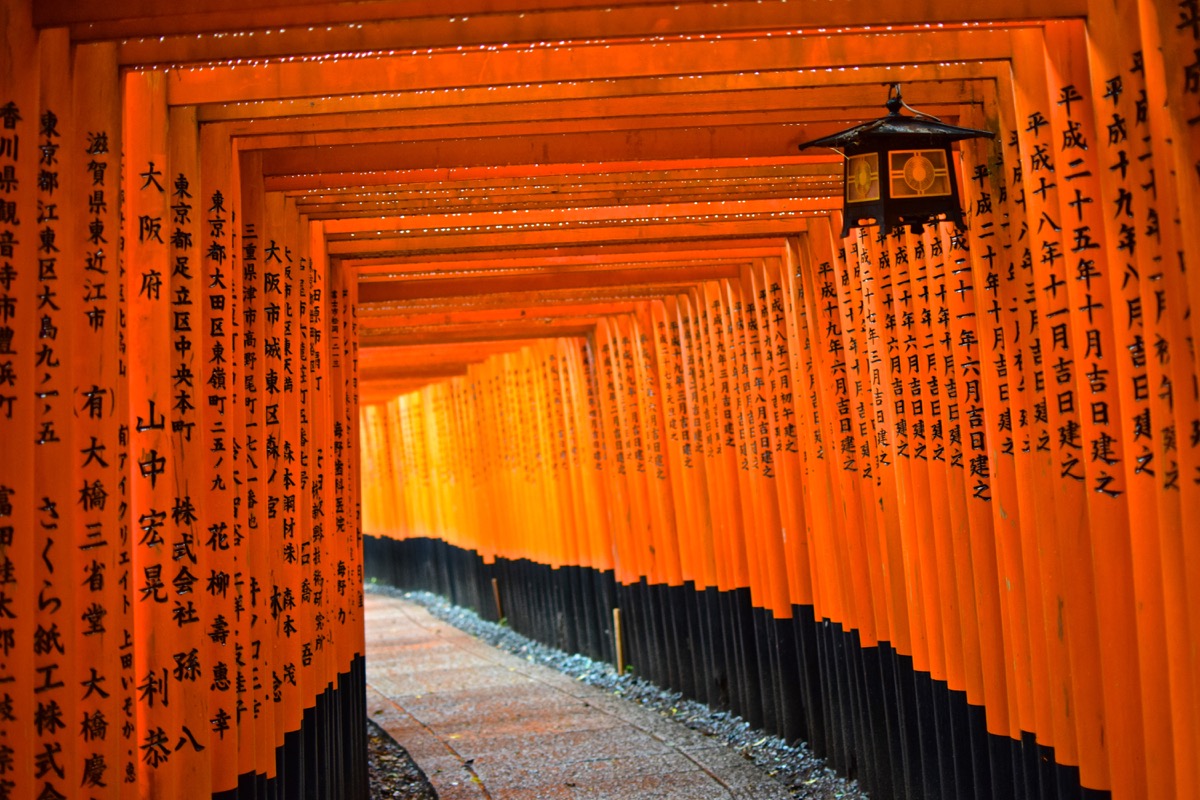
(483, 723)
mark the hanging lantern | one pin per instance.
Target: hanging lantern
(898, 168)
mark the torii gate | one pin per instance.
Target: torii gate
(274, 277)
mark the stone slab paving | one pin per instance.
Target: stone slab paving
(486, 725)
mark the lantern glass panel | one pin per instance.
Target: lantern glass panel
(918, 173)
(862, 178)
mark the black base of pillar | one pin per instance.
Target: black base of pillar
(326, 759)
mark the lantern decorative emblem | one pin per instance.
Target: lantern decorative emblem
(899, 169)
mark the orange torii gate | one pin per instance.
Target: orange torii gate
(179, 516)
(923, 499)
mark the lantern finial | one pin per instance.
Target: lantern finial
(899, 169)
(894, 102)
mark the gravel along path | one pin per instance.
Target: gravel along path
(394, 776)
(795, 766)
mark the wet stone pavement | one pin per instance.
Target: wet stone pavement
(482, 723)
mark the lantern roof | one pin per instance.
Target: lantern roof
(921, 130)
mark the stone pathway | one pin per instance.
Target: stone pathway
(483, 723)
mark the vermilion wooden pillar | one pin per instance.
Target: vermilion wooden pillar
(261, 291)
(100, 405)
(1169, 68)
(55, 641)
(160, 615)
(18, 406)
(230, 488)
(814, 426)
(191, 561)
(1001, 376)
(1077, 701)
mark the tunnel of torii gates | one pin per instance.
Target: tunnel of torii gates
(544, 299)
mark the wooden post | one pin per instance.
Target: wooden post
(618, 641)
(496, 597)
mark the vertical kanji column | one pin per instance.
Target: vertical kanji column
(1017, 292)
(190, 662)
(779, 345)
(812, 414)
(57, 666)
(345, 630)
(228, 509)
(984, 639)
(237, 209)
(318, 664)
(280, 349)
(1003, 385)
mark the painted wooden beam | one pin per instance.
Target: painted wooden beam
(530, 91)
(562, 64)
(391, 23)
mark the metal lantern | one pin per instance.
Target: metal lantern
(898, 168)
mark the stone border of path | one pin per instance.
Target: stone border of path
(483, 723)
